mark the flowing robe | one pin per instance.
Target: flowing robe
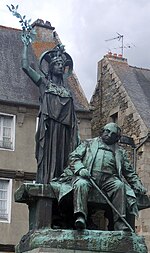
(57, 133)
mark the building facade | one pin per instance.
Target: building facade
(122, 95)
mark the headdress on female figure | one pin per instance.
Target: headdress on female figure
(52, 56)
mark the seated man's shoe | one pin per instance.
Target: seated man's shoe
(80, 223)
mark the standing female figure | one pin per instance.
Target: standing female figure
(57, 133)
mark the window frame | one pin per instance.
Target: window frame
(13, 131)
(114, 117)
(9, 200)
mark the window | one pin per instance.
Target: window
(114, 117)
(5, 199)
(7, 131)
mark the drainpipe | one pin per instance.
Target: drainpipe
(100, 91)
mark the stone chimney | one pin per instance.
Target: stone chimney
(46, 37)
(116, 57)
(40, 23)
(45, 32)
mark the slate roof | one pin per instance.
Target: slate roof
(15, 86)
(136, 82)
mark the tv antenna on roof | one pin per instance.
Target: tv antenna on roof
(119, 37)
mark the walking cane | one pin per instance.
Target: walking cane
(110, 204)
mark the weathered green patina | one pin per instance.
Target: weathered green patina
(87, 241)
(106, 162)
(32, 194)
(57, 133)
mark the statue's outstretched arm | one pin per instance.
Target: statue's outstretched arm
(35, 77)
(28, 35)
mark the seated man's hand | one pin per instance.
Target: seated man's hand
(140, 190)
(84, 173)
(143, 190)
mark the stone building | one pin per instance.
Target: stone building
(122, 95)
(19, 103)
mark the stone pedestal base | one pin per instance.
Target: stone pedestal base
(73, 241)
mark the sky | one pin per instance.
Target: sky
(84, 26)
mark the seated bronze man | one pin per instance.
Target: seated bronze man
(103, 160)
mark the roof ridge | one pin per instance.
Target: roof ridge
(9, 28)
(135, 67)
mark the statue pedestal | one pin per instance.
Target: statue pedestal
(42, 238)
(85, 241)
(39, 198)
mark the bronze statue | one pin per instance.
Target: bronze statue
(104, 161)
(97, 163)
(57, 132)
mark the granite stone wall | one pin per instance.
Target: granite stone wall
(110, 102)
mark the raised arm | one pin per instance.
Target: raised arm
(35, 77)
(28, 34)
